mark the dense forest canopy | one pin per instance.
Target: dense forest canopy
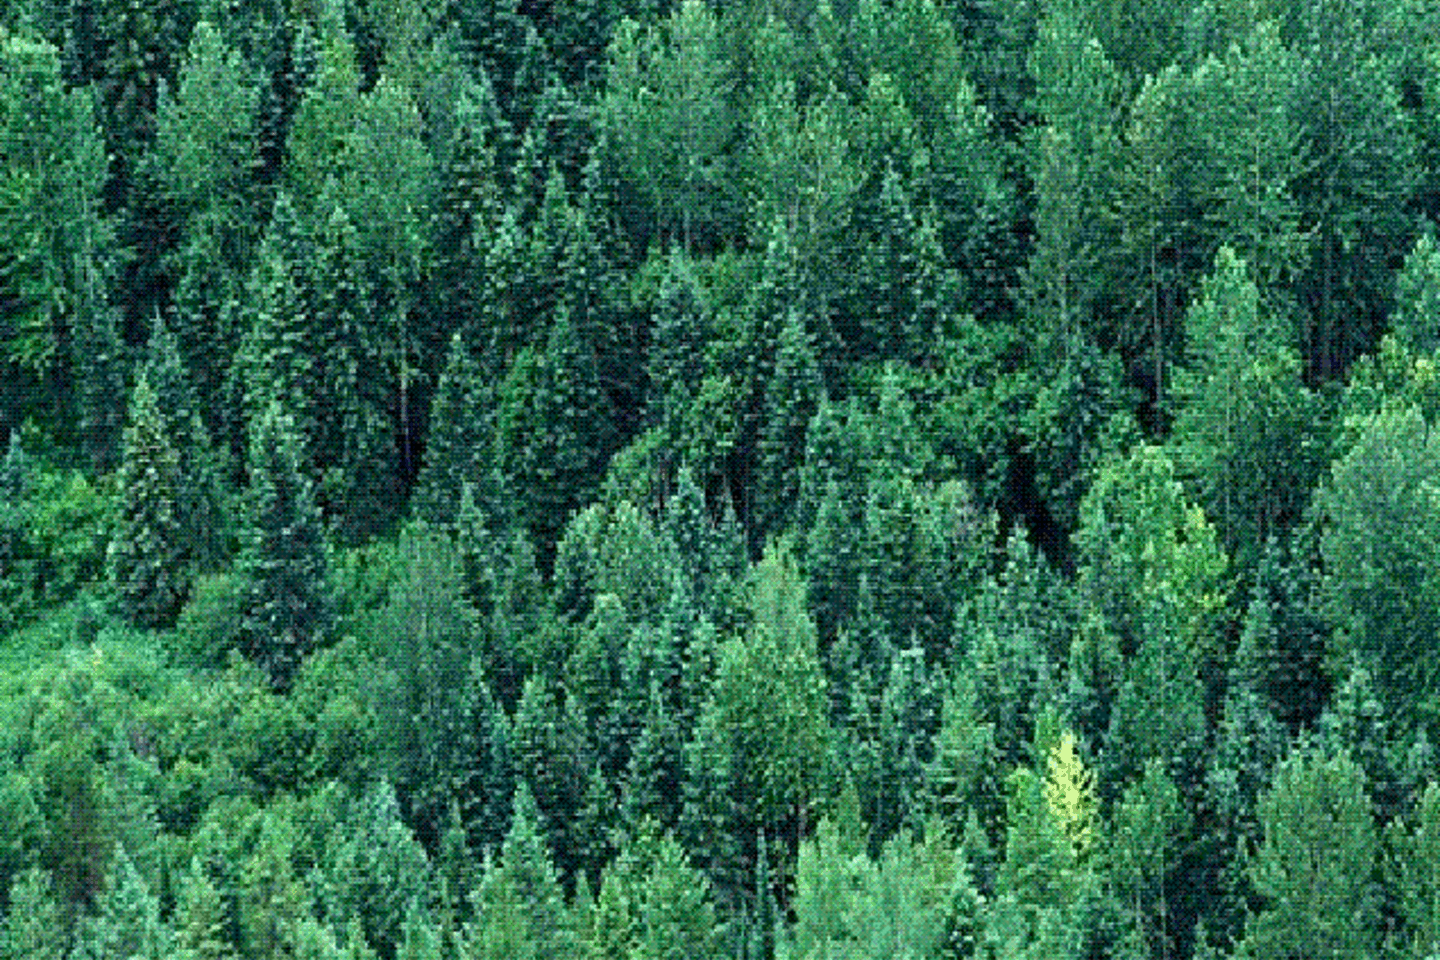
(787, 479)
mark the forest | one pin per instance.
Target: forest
(771, 480)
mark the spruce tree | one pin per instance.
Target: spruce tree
(289, 609)
(149, 557)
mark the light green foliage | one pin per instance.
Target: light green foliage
(1313, 870)
(653, 905)
(1141, 547)
(914, 901)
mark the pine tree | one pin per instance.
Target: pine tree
(459, 436)
(201, 497)
(1313, 868)
(149, 557)
(354, 447)
(791, 395)
(17, 478)
(289, 609)
(32, 929)
(201, 920)
(1378, 544)
(127, 923)
(1416, 320)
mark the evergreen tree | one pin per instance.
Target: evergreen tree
(425, 637)
(353, 445)
(201, 497)
(149, 557)
(1378, 544)
(58, 270)
(32, 929)
(1411, 849)
(1245, 429)
(201, 920)
(1416, 320)
(1313, 870)
(791, 395)
(127, 922)
(283, 556)
(1361, 171)
(667, 114)
(458, 438)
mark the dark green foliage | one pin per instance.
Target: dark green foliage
(571, 449)
(283, 554)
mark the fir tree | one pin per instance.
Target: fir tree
(149, 557)
(290, 609)
(458, 438)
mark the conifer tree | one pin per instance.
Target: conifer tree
(16, 572)
(289, 609)
(459, 437)
(1416, 320)
(791, 395)
(149, 557)
(201, 497)
(32, 929)
(1313, 869)
(201, 921)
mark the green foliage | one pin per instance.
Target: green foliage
(1246, 428)
(283, 556)
(32, 929)
(667, 113)
(148, 555)
(1379, 493)
(1314, 868)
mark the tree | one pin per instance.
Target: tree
(1416, 320)
(1379, 544)
(791, 394)
(667, 114)
(459, 438)
(425, 636)
(203, 158)
(1245, 429)
(1362, 170)
(1148, 829)
(202, 495)
(32, 928)
(201, 920)
(1313, 869)
(1141, 548)
(149, 556)
(290, 609)
(1252, 153)
(58, 271)
(127, 923)
(1412, 855)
